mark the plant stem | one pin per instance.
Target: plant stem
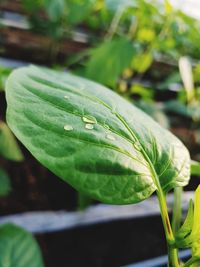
(172, 251)
(114, 23)
(177, 209)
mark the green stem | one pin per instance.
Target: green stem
(114, 23)
(177, 209)
(172, 251)
(193, 262)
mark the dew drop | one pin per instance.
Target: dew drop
(110, 137)
(66, 97)
(68, 127)
(89, 126)
(89, 119)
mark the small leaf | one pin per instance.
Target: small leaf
(18, 248)
(192, 226)
(119, 161)
(195, 167)
(9, 148)
(5, 186)
(109, 60)
(186, 228)
(142, 62)
(196, 227)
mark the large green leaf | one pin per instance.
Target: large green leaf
(91, 137)
(109, 59)
(5, 186)
(9, 148)
(18, 248)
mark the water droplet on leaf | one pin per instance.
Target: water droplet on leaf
(68, 127)
(110, 137)
(66, 97)
(89, 126)
(89, 119)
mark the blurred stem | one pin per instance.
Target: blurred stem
(177, 209)
(114, 23)
(83, 201)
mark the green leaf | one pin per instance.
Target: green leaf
(116, 159)
(196, 224)
(55, 9)
(186, 228)
(78, 10)
(189, 234)
(142, 62)
(195, 235)
(4, 72)
(5, 186)
(18, 248)
(196, 252)
(109, 59)
(117, 4)
(195, 167)
(9, 148)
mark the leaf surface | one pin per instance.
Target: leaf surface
(91, 137)
(18, 248)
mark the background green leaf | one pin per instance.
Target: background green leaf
(9, 148)
(195, 167)
(18, 248)
(109, 60)
(5, 186)
(91, 137)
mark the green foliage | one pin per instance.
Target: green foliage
(186, 228)
(142, 62)
(61, 15)
(5, 186)
(109, 59)
(9, 148)
(189, 233)
(18, 248)
(92, 138)
(4, 72)
(195, 167)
